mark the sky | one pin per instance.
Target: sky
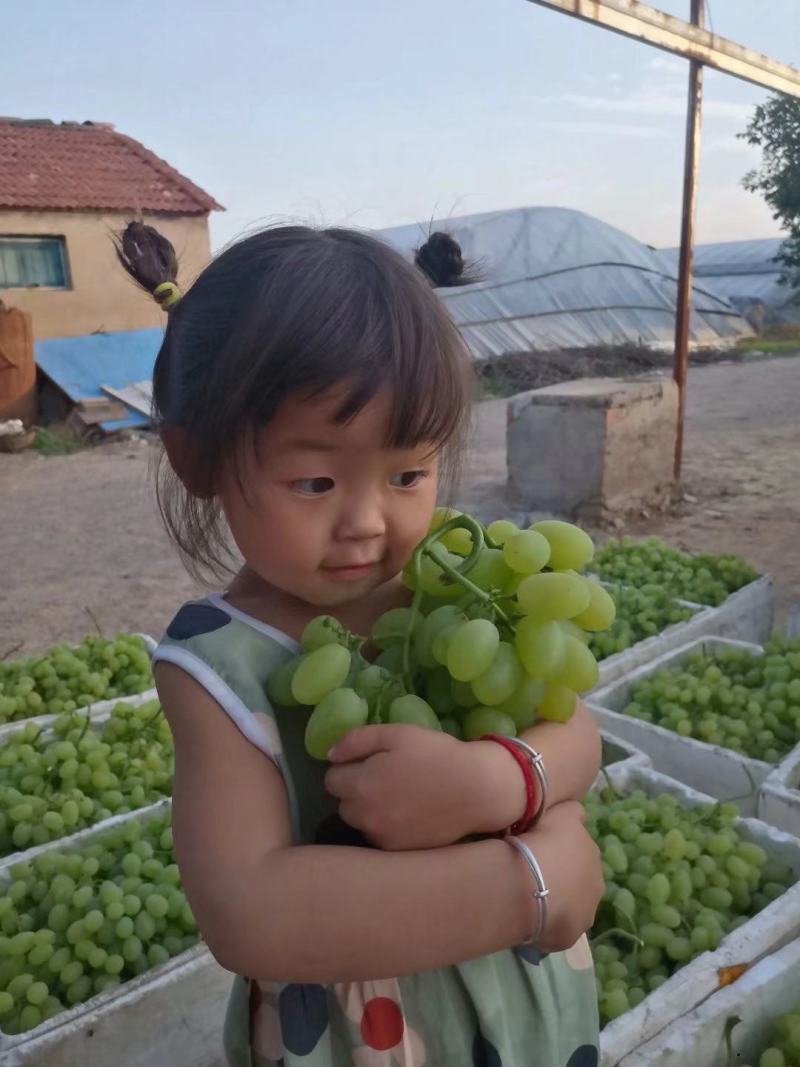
(375, 112)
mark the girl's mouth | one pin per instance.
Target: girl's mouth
(350, 572)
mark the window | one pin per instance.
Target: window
(33, 261)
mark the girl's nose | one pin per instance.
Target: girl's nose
(362, 517)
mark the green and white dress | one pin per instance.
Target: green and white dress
(515, 1008)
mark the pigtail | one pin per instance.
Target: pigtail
(150, 260)
(440, 259)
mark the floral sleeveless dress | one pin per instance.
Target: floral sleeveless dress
(515, 1008)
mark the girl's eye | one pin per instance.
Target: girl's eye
(408, 479)
(313, 486)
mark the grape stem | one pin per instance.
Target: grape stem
(617, 931)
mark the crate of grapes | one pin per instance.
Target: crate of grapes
(779, 796)
(694, 894)
(102, 961)
(752, 1022)
(648, 623)
(79, 771)
(94, 675)
(704, 715)
(742, 601)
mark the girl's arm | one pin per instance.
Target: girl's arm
(572, 753)
(460, 788)
(320, 914)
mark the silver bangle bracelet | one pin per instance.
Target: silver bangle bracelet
(537, 766)
(540, 894)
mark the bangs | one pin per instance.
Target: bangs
(368, 322)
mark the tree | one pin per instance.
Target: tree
(775, 129)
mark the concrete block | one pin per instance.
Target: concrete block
(592, 446)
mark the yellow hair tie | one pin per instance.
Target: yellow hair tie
(173, 294)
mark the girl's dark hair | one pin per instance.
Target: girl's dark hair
(441, 260)
(291, 311)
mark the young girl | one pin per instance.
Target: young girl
(310, 393)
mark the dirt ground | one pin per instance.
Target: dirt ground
(80, 537)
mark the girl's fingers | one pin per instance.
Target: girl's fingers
(365, 741)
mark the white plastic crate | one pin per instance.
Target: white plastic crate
(97, 709)
(715, 770)
(171, 1016)
(620, 753)
(779, 796)
(769, 989)
(766, 932)
(746, 615)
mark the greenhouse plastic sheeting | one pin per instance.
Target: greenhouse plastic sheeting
(742, 272)
(555, 278)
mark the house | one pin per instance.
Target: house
(65, 189)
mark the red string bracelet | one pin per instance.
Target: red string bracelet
(528, 816)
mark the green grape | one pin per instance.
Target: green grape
(432, 578)
(441, 643)
(580, 671)
(570, 548)
(334, 716)
(6, 1003)
(526, 552)
(482, 721)
(501, 679)
(522, 704)
(552, 596)
(441, 515)
(425, 634)
(772, 1057)
(490, 571)
(501, 530)
(414, 711)
(471, 649)
(320, 673)
(390, 629)
(600, 613)
(279, 685)
(541, 648)
(458, 541)
(323, 630)
(453, 727)
(439, 692)
(558, 703)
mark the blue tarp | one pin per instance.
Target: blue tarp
(80, 365)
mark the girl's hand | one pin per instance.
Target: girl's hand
(572, 869)
(406, 787)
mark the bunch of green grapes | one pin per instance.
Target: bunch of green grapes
(67, 678)
(678, 880)
(641, 613)
(784, 1046)
(704, 579)
(740, 700)
(496, 635)
(81, 921)
(53, 785)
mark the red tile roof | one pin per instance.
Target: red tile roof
(89, 167)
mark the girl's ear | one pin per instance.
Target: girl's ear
(183, 456)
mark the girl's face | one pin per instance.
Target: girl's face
(328, 513)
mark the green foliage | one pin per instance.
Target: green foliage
(775, 129)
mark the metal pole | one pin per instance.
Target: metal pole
(684, 294)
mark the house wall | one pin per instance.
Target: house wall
(102, 297)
